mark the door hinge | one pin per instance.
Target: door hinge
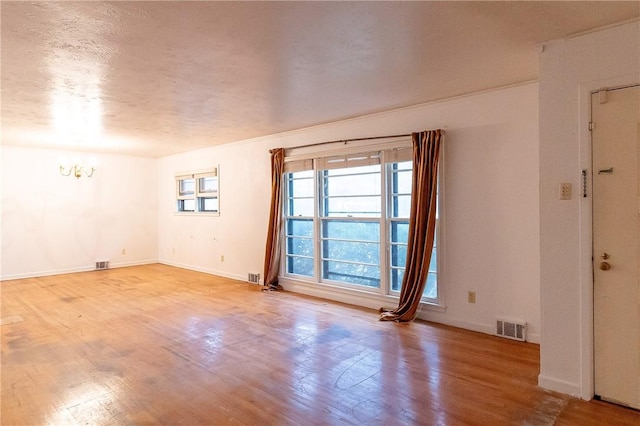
(592, 125)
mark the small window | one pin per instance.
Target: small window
(198, 192)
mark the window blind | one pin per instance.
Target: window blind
(298, 165)
(351, 160)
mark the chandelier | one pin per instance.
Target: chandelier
(77, 170)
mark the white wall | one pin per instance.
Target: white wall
(239, 233)
(54, 224)
(569, 70)
(491, 190)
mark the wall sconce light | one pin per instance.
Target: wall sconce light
(77, 170)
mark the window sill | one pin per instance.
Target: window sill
(356, 297)
(195, 214)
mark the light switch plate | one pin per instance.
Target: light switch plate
(564, 191)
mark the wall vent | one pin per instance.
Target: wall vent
(511, 329)
(102, 264)
(254, 278)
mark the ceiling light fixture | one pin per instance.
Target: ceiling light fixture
(77, 170)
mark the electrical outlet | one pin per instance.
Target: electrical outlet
(471, 297)
(124, 251)
(564, 191)
(222, 258)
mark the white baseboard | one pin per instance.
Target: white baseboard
(440, 319)
(204, 270)
(561, 386)
(46, 273)
(73, 270)
(480, 328)
(533, 338)
(365, 299)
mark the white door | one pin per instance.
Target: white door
(616, 219)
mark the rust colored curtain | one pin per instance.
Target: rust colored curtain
(272, 251)
(422, 225)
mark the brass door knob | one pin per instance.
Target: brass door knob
(604, 266)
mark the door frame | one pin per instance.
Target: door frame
(587, 358)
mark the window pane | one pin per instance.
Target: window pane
(353, 206)
(401, 206)
(301, 187)
(351, 273)
(208, 184)
(433, 265)
(398, 255)
(368, 184)
(303, 246)
(403, 182)
(186, 205)
(301, 207)
(305, 174)
(396, 279)
(352, 191)
(336, 248)
(431, 289)
(208, 204)
(399, 232)
(353, 170)
(186, 186)
(300, 227)
(403, 165)
(300, 266)
(351, 230)
(300, 194)
(351, 251)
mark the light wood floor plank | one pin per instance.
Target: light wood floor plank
(161, 345)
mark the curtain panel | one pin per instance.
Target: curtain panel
(422, 225)
(273, 249)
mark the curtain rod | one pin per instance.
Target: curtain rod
(345, 141)
(348, 140)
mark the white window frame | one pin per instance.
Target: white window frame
(399, 157)
(303, 166)
(198, 196)
(343, 291)
(391, 219)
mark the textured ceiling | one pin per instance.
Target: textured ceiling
(155, 78)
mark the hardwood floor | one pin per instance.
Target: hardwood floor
(161, 345)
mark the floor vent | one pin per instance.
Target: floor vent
(254, 278)
(102, 264)
(511, 330)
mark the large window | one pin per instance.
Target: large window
(346, 221)
(198, 192)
